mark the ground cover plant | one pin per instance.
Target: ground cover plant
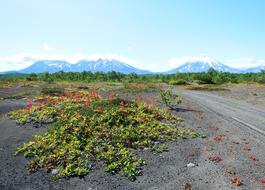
(206, 87)
(89, 131)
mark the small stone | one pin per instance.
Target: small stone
(55, 171)
(191, 165)
(156, 142)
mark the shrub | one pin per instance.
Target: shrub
(169, 98)
(177, 82)
(52, 91)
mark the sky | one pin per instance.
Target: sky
(155, 35)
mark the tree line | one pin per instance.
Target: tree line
(210, 77)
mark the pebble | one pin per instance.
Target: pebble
(191, 165)
(55, 171)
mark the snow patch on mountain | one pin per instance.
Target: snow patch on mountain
(202, 63)
(100, 65)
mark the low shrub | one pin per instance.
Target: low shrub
(169, 98)
(178, 82)
(52, 91)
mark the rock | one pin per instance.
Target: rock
(48, 121)
(191, 165)
(37, 125)
(55, 171)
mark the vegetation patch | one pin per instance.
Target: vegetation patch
(178, 82)
(138, 87)
(206, 88)
(89, 131)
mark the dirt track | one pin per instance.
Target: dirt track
(164, 171)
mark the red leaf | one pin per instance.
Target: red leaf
(235, 181)
(246, 148)
(128, 142)
(252, 158)
(217, 138)
(215, 158)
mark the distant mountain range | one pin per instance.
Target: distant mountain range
(100, 65)
(199, 64)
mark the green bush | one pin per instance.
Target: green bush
(52, 91)
(178, 82)
(169, 98)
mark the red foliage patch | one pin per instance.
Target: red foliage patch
(186, 186)
(128, 143)
(215, 128)
(246, 148)
(236, 181)
(29, 104)
(252, 158)
(215, 158)
(217, 138)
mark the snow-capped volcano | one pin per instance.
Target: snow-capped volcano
(50, 66)
(100, 65)
(106, 65)
(202, 63)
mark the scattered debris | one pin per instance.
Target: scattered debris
(209, 148)
(186, 186)
(191, 165)
(246, 148)
(252, 158)
(215, 128)
(235, 142)
(231, 171)
(236, 181)
(215, 158)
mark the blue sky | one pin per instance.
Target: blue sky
(148, 34)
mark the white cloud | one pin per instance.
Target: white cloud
(16, 62)
(244, 62)
(47, 47)
(20, 61)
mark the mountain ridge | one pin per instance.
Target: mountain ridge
(100, 65)
(201, 63)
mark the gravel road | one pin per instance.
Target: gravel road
(249, 115)
(241, 127)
